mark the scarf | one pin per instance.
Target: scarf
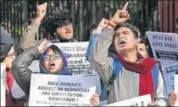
(146, 85)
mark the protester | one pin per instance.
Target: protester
(144, 74)
(58, 25)
(143, 48)
(52, 61)
(94, 34)
(95, 31)
(7, 56)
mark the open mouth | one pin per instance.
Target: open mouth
(122, 42)
(51, 65)
(67, 32)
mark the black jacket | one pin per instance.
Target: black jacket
(22, 71)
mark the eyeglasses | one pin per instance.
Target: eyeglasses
(48, 57)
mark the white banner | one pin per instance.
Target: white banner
(61, 90)
(169, 72)
(3, 84)
(76, 57)
(136, 101)
(176, 87)
(164, 46)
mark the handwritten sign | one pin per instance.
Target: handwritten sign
(61, 90)
(3, 84)
(136, 101)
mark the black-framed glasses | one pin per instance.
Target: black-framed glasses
(48, 57)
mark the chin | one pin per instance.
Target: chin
(52, 71)
(69, 38)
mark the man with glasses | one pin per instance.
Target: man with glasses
(58, 27)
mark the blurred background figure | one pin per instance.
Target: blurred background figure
(14, 92)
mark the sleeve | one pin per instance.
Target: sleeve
(92, 42)
(28, 38)
(161, 99)
(100, 60)
(20, 70)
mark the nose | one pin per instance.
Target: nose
(68, 26)
(51, 58)
(121, 36)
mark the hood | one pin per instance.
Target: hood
(6, 43)
(64, 71)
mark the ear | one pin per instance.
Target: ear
(138, 41)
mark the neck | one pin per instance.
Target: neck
(130, 56)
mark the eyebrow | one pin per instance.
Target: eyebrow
(122, 32)
(125, 32)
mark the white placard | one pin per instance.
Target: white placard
(169, 72)
(61, 90)
(3, 84)
(164, 46)
(176, 87)
(136, 101)
(76, 57)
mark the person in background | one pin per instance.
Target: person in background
(94, 32)
(7, 56)
(143, 50)
(58, 25)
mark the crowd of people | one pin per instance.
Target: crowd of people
(116, 52)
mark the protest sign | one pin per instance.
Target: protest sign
(169, 72)
(176, 87)
(3, 84)
(75, 53)
(164, 46)
(165, 49)
(61, 90)
(136, 101)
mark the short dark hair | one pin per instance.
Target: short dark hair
(134, 29)
(59, 17)
(90, 29)
(145, 42)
